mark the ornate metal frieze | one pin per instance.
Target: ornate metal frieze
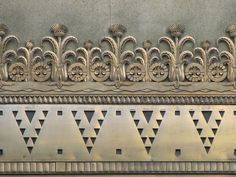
(116, 107)
(116, 65)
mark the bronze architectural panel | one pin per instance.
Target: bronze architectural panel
(117, 139)
(116, 64)
(114, 107)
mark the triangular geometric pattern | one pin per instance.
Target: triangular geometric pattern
(29, 126)
(89, 124)
(148, 123)
(207, 123)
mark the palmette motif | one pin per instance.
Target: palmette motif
(119, 61)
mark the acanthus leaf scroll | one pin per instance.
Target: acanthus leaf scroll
(122, 62)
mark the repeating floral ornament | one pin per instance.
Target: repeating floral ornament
(194, 72)
(17, 72)
(41, 72)
(6, 54)
(217, 72)
(117, 59)
(158, 72)
(135, 72)
(100, 72)
(77, 72)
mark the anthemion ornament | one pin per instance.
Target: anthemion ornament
(116, 64)
(163, 91)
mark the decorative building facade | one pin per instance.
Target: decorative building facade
(118, 106)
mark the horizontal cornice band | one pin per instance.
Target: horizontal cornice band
(116, 167)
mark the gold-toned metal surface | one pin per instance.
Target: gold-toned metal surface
(114, 107)
(121, 62)
(116, 70)
(117, 139)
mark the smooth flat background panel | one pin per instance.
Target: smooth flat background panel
(145, 19)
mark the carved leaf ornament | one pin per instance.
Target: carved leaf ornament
(117, 64)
